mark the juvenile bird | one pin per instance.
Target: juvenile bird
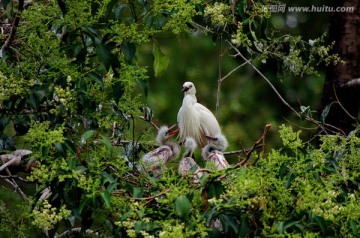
(194, 119)
(155, 160)
(212, 152)
(187, 162)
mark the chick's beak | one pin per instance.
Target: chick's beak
(172, 133)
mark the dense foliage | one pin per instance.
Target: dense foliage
(72, 89)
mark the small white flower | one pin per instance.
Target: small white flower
(312, 42)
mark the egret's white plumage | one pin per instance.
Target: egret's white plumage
(219, 141)
(155, 160)
(212, 152)
(194, 119)
(187, 162)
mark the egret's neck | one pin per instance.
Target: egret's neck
(189, 99)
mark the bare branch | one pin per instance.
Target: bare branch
(219, 79)
(151, 122)
(232, 71)
(16, 186)
(245, 151)
(13, 28)
(265, 78)
(15, 160)
(342, 107)
(14, 177)
(75, 230)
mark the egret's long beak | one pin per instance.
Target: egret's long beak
(184, 89)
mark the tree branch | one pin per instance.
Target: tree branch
(219, 79)
(75, 230)
(264, 77)
(232, 71)
(13, 28)
(14, 161)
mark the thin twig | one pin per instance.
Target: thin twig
(75, 230)
(265, 78)
(17, 188)
(342, 107)
(9, 163)
(232, 71)
(219, 79)
(151, 122)
(13, 27)
(15, 177)
(260, 141)
(245, 151)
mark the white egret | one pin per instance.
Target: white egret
(194, 119)
(187, 162)
(212, 152)
(155, 161)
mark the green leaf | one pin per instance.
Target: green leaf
(245, 227)
(118, 91)
(119, 9)
(229, 222)
(215, 189)
(62, 6)
(138, 192)
(106, 197)
(203, 179)
(264, 25)
(93, 33)
(6, 142)
(354, 228)
(129, 50)
(81, 169)
(86, 136)
(108, 177)
(111, 187)
(161, 61)
(322, 223)
(252, 25)
(241, 8)
(40, 95)
(97, 78)
(182, 206)
(143, 83)
(31, 100)
(289, 179)
(104, 55)
(84, 204)
(3, 123)
(72, 163)
(5, 3)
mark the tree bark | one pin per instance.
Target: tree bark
(341, 92)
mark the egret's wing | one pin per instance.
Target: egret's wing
(189, 123)
(179, 115)
(208, 122)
